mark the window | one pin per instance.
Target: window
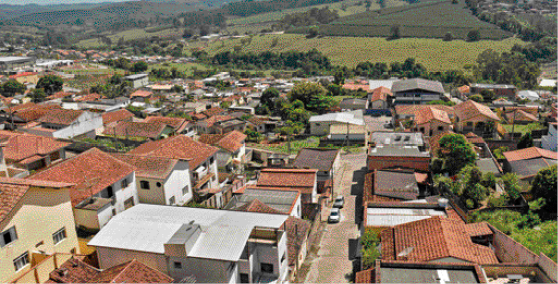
(129, 203)
(110, 192)
(144, 184)
(124, 183)
(7, 237)
(172, 201)
(185, 190)
(282, 258)
(59, 236)
(244, 278)
(21, 261)
(158, 184)
(177, 265)
(440, 128)
(469, 123)
(211, 160)
(266, 267)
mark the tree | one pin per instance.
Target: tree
(456, 152)
(204, 30)
(312, 95)
(395, 32)
(544, 187)
(139, 66)
(339, 77)
(448, 36)
(313, 32)
(473, 35)
(476, 98)
(12, 87)
(488, 95)
(37, 95)
(511, 186)
(187, 33)
(525, 141)
(177, 89)
(268, 96)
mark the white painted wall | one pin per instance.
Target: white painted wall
(85, 123)
(177, 180)
(109, 257)
(204, 270)
(122, 194)
(297, 208)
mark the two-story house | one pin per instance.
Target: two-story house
(137, 80)
(36, 221)
(416, 91)
(103, 186)
(326, 161)
(66, 123)
(212, 246)
(160, 180)
(549, 141)
(431, 121)
(232, 149)
(180, 125)
(474, 117)
(138, 131)
(201, 157)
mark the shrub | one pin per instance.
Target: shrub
(448, 36)
(473, 35)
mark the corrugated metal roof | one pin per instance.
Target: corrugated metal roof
(148, 227)
(384, 217)
(351, 117)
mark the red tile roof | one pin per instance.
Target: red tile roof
(231, 141)
(20, 146)
(431, 239)
(12, 190)
(411, 109)
(136, 129)
(297, 233)
(141, 93)
(300, 179)
(381, 93)
(428, 114)
(61, 116)
(520, 115)
(177, 147)
(355, 87)
(91, 172)
(75, 270)
(365, 276)
(35, 112)
(147, 166)
(59, 95)
(256, 121)
(471, 109)
(464, 89)
(213, 111)
(530, 153)
(216, 118)
(23, 74)
(175, 122)
(257, 206)
(89, 98)
(474, 138)
(114, 116)
(478, 229)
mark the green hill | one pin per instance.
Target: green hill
(423, 20)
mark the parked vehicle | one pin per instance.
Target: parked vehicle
(334, 215)
(339, 202)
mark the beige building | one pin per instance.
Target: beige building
(473, 117)
(36, 222)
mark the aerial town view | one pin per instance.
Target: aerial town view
(278, 141)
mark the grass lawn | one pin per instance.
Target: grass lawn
(295, 145)
(522, 128)
(434, 54)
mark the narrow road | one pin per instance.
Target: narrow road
(333, 264)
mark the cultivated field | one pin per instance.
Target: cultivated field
(435, 54)
(130, 35)
(424, 20)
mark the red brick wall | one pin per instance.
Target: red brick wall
(378, 163)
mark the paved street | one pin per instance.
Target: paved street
(332, 265)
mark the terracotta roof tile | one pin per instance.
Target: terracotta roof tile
(474, 138)
(147, 166)
(434, 142)
(365, 276)
(114, 116)
(61, 116)
(257, 206)
(141, 93)
(381, 93)
(177, 123)
(231, 141)
(136, 129)
(35, 112)
(297, 232)
(520, 116)
(213, 111)
(91, 172)
(177, 147)
(530, 153)
(20, 146)
(478, 229)
(303, 180)
(412, 109)
(256, 121)
(426, 115)
(320, 159)
(432, 239)
(471, 109)
(216, 118)
(59, 95)
(89, 98)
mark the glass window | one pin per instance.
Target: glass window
(21, 261)
(267, 267)
(211, 160)
(7, 237)
(124, 183)
(144, 184)
(172, 200)
(177, 265)
(59, 236)
(185, 190)
(244, 278)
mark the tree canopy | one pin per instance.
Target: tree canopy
(12, 87)
(50, 84)
(544, 187)
(456, 152)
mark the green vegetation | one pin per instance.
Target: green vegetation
(432, 19)
(544, 187)
(370, 241)
(12, 87)
(522, 128)
(296, 145)
(107, 143)
(455, 153)
(433, 54)
(50, 84)
(127, 35)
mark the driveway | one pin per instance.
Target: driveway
(333, 264)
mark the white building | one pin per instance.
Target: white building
(66, 123)
(320, 124)
(213, 246)
(138, 80)
(548, 142)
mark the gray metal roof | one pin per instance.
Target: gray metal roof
(396, 184)
(417, 83)
(276, 199)
(397, 138)
(320, 159)
(351, 117)
(374, 84)
(488, 165)
(492, 86)
(397, 151)
(135, 76)
(15, 59)
(380, 217)
(148, 227)
(423, 275)
(353, 102)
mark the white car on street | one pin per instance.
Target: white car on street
(334, 215)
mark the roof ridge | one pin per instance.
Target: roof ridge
(122, 271)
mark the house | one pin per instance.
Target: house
(65, 123)
(462, 92)
(225, 126)
(474, 117)
(385, 271)
(436, 239)
(117, 116)
(320, 124)
(160, 180)
(141, 96)
(326, 161)
(31, 152)
(103, 186)
(355, 86)
(383, 213)
(138, 131)
(407, 112)
(348, 104)
(501, 102)
(89, 98)
(232, 149)
(75, 270)
(380, 98)
(520, 117)
(527, 162)
(430, 121)
(201, 157)
(137, 80)
(387, 138)
(348, 134)
(212, 246)
(416, 91)
(298, 231)
(549, 141)
(399, 184)
(270, 201)
(507, 91)
(180, 125)
(528, 95)
(406, 157)
(209, 125)
(257, 124)
(26, 77)
(9, 63)
(25, 113)
(25, 243)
